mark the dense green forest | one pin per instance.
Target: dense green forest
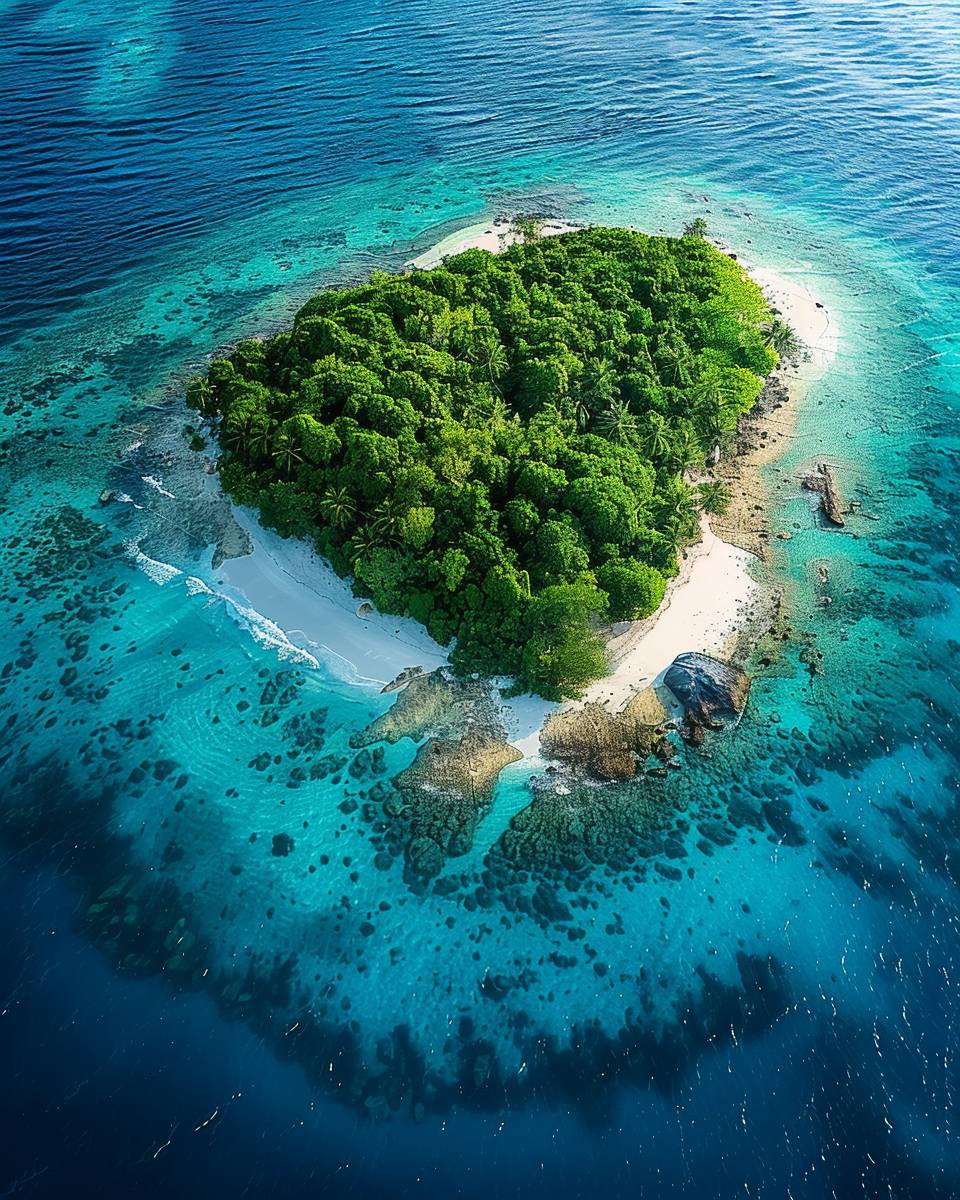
(497, 447)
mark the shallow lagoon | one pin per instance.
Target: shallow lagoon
(780, 1016)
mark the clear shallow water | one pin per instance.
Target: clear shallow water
(777, 1020)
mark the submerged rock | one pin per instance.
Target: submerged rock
(282, 845)
(447, 789)
(707, 688)
(234, 542)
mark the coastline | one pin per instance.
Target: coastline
(289, 584)
(765, 433)
(495, 235)
(716, 598)
(708, 606)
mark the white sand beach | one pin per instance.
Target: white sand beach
(487, 235)
(712, 597)
(715, 595)
(287, 582)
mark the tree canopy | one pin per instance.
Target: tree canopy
(497, 446)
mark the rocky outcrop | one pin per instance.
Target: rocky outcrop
(234, 542)
(407, 675)
(435, 804)
(821, 480)
(433, 704)
(608, 746)
(446, 790)
(709, 690)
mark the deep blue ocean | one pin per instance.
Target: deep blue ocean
(760, 997)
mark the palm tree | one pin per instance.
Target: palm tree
(338, 507)
(261, 439)
(288, 455)
(598, 385)
(581, 414)
(361, 544)
(495, 362)
(717, 424)
(696, 228)
(679, 508)
(711, 390)
(385, 520)
(655, 437)
(780, 337)
(235, 437)
(618, 423)
(527, 229)
(674, 363)
(685, 449)
(200, 395)
(713, 497)
(717, 411)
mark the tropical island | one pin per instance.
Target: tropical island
(501, 446)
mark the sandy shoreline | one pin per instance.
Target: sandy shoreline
(287, 582)
(485, 235)
(713, 597)
(706, 604)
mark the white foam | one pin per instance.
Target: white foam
(264, 632)
(157, 486)
(268, 634)
(301, 592)
(160, 572)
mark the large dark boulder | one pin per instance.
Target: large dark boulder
(708, 689)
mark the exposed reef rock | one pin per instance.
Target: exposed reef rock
(234, 542)
(709, 690)
(609, 746)
(402, 680)
(439, 799)
(447, 789)
(759, 439)
(821, 480)
(434, 704)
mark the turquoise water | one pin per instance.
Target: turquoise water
(758, 996)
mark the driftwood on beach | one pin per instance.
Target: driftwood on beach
(821, 480)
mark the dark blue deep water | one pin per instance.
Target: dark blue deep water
(757, 997)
